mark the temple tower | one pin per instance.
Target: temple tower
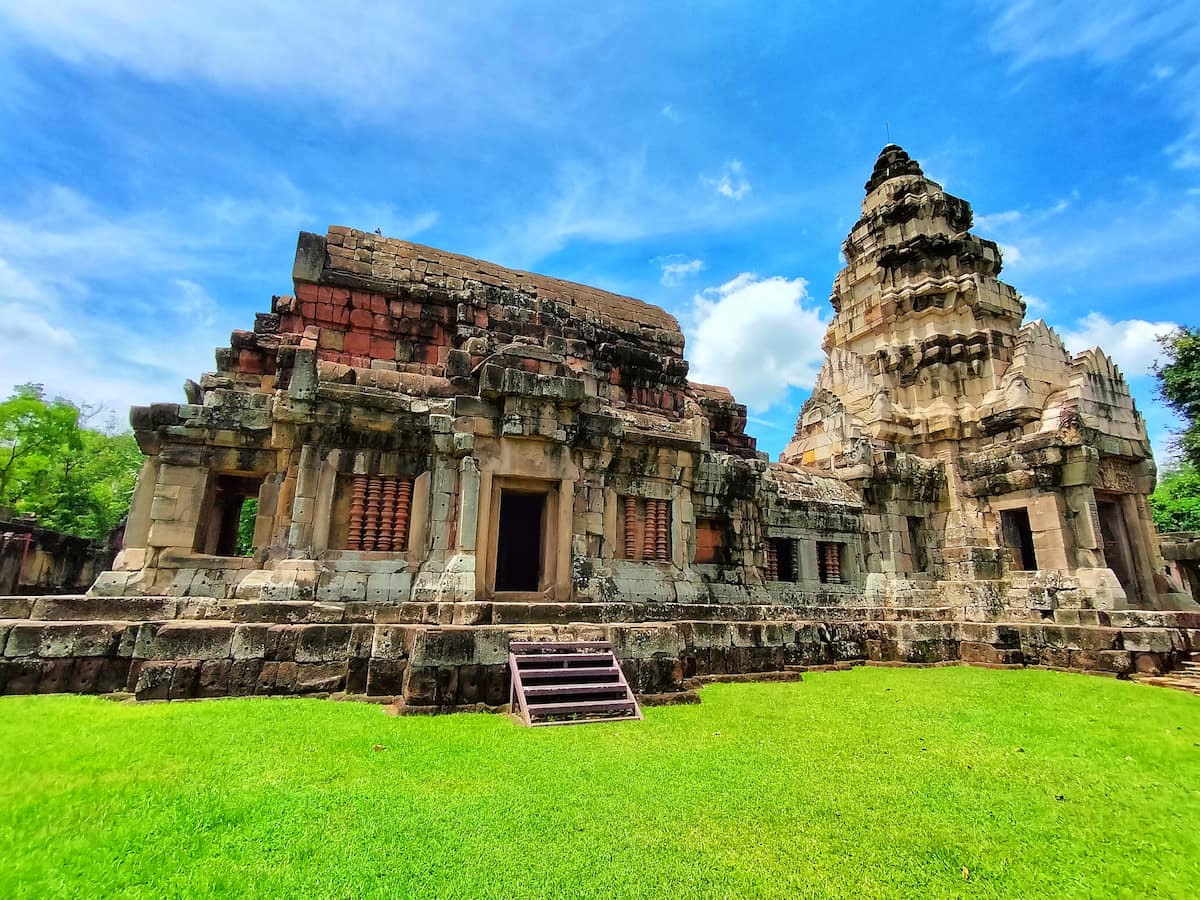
(985, 450)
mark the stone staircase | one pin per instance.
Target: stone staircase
(1184, 677)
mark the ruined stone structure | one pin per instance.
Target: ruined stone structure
(447, 455)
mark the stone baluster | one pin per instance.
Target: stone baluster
(403, 507)
(387, 515)
(649, 539)
(661, 535)
(630, 528)
(772, 561)
(357, 506)
(833, 564)
(371, 528)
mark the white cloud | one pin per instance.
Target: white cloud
(732, 182)
(756, 337)
(1132, 343)
(676, 268)
(668, 112)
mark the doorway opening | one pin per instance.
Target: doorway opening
(519, 544)
(1117, 552)
(1018, 537)
(228, 527)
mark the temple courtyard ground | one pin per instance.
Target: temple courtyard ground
(874, 782)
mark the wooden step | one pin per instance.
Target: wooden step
(590, 672)
(568, 682)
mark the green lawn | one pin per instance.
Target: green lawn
(875, 782)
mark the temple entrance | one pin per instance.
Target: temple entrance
(1018, 537)
(1117, 552)
(519, 544)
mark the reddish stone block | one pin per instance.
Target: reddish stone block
(481, 318)
(356, 342)
(341, 296)
(383, 348)
(307, 293)
(324, 312)
(430, 354)
(360, 300)
(361, 318)
(252, 362)
(379, 304)
(324, 294)
(308, 310)
(381, 323)
(412, 310)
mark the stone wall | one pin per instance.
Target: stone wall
(37, 560)
(179, 648)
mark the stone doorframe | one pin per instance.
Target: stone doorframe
(555, 580)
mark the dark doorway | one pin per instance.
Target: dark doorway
(229, 528)
(1018, 537)
(916, 541)
(519, 543)
(1116, 545)
(785, 559)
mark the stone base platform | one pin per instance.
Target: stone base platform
(452, 656)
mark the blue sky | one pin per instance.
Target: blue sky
(157, 161)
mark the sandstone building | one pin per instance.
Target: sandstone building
(446, 455)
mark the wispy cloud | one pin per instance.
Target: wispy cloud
(613, 199)
(732, 182)
(676, 268)
(1160, 36)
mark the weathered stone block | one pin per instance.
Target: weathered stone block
(193, 641)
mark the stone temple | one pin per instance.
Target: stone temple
(447, 455)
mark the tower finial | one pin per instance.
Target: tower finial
(892, 163)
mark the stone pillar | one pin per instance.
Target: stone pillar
(468, 503)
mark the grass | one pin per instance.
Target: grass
(877, 782)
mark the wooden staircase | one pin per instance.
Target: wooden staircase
(568, 683)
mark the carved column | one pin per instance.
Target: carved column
(357, 507)
(403, 508)
(772, 562)
(371, 527)
(660, 530)
(833, 563)
(630, 528)
(649, 539)
(387, 515)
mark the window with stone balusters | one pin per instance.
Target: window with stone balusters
(647, 529)
(829, 561)
(380, 507)
(781, 560)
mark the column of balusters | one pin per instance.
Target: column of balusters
(661, 534)
(649, 537)
(833, 564)
(371, 526)
(630, 528)
(403, 505)
(772, 561)
(387, 515)
(357, 506)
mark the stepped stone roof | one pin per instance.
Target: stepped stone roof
(390, 262)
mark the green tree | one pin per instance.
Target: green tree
(32, 432)
(1179, 386)
(1175, 503)
(71, 478)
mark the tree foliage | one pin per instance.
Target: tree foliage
(1175, 503)
(72, 478)
(1179, 386)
